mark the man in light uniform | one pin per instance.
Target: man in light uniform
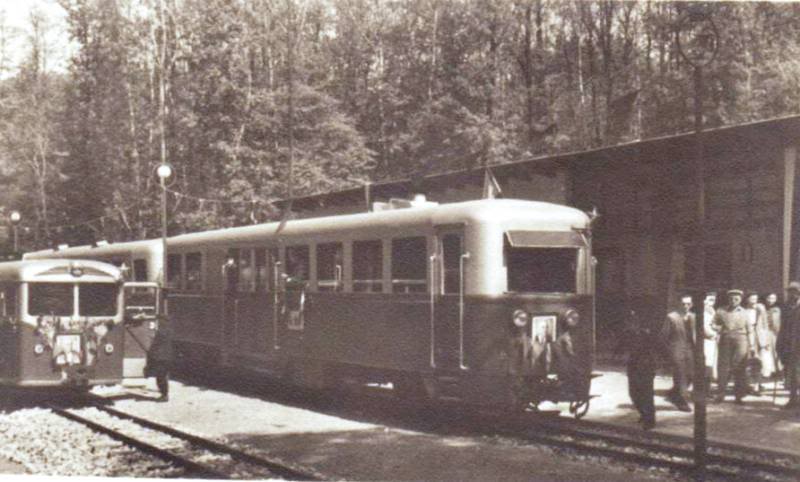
(735, 343)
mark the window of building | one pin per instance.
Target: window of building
(247, 271)
(174, 271)
(194, 271)
(297, 261)
(409, 265)
(329, 267)
(368, 266)
(140, 270)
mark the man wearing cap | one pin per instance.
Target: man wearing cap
(789, 342)
(735, 342)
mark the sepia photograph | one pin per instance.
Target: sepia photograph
(400, 240)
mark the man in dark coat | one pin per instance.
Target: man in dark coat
(641, 340)
(160, 357)
(678, 336)
(789, 343)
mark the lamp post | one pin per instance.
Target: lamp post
(697, 44)
(164, 172)
(15, 218)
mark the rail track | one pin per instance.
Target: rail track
(196, 456)
(671, 452)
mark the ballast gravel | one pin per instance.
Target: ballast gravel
(47, 444)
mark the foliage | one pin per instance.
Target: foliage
(268, 99)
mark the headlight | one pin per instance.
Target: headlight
(109, 348)
(38, 348)
(572, 317)
(521, 318)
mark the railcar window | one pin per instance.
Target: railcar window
(451, 251)
(540, 269)
(368, 266)
(50, 299)
(409, 265)
(8, 300)
(262, 278)
(297, 262)
(174, 269)
(140, 270)
(97, 299)
(247, 272)
(329, 267)
(231, 270)
(194, 271)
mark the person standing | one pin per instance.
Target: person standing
(774, 327)
(789, 343)
(678, 336)
(160, 357)
(735, 342)
(757, 319)
(641, 341)
(710, 338)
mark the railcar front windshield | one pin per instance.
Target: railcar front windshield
(50, 299)
(98, 299)
(58, 299)
(542, 269)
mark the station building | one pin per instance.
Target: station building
(647, 238)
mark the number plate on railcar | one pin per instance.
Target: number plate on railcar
(543, 328)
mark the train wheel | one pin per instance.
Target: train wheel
(579, 408)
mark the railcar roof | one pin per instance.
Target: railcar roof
(27, 270)
(546, 217)
(89, 250)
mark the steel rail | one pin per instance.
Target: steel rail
(657, 447)
(194, 468)
(275, 466)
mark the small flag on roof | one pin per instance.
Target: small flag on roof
(491, 188)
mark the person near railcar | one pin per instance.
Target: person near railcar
(736, 341)
(641, 340)
(161, 356)
(710, 339)
(774, 327)
(757, 364)
(678, 336)
(789, 343)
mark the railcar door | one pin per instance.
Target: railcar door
(447, 300)
(141, 314)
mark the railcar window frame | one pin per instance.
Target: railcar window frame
(330, 266)
(174, 271)
(193, 275)
(31, 286)
(410, 275)
(297, 262)
(81, 298)
(575, 252)
(8, 299)
(246, 270)
(367, 265)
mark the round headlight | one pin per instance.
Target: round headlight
(38, 348)
(572, 317)
(109, 348)
(521, 318)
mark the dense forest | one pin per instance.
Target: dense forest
(256, 100)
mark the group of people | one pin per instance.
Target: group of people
(743, 339)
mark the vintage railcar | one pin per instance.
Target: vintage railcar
(488, 301)
(141, 262)
(60, 323)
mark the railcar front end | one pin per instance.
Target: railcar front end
(61, 323)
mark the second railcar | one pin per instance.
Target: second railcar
(60, 323)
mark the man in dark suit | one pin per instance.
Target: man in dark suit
(789, 343)
(678, 337)
(160, 357)
(642, 344)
